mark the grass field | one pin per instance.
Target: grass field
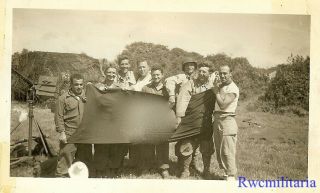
(269, 145)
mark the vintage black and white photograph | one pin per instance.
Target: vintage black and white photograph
(159, 95)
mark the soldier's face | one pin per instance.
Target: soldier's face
(189, 68)
(225, 75)
(203, 73)
(124, 66)
(143, 68)
(156, 76)
(111, 74)
(77, 86)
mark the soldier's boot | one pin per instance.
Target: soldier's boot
(206, 166)
(164, 174)
(185, 160)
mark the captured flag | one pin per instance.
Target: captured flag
(119, 116)
(198, 117)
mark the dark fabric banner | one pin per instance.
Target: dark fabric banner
(119, 116)
(198, 117)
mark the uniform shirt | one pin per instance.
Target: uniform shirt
(158, 90)
(69, 112)
(141, 82)
(172, 82)
(127, 81)
(104, 87)
(190, 88)
(231, 108)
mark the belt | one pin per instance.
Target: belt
(224, 114)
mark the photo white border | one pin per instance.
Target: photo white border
(42, 185)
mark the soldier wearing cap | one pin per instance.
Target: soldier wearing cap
(185, 148)
(69, 112)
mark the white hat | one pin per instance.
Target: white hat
(78, 170)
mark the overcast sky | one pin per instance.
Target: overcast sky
(265, 40)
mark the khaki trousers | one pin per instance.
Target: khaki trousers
(65, 158)
(225, 143)
(185, 150)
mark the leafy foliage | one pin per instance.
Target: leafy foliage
(289, 90)
(290, 87)
(250, 80)
(32, 64)
(157, 54)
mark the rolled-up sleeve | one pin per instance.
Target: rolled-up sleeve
(212, 77)
(183, 99)
(171, 82)
(132, 79)
(59, 121)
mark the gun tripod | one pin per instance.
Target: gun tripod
(31, 101)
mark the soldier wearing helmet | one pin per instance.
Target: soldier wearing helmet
(174, 83)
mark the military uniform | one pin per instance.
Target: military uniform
(173, 83)
(185, 148)
(126, 81)
(69, 112)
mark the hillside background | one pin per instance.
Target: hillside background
(282, 88)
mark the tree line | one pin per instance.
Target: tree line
(290, 87)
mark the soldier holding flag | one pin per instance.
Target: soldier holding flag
(186, 147)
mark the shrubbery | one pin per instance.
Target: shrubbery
(250, 80)
(289, 90)
(32, 64)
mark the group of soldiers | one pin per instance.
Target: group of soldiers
(218, 136)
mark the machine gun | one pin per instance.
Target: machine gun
(46, 88)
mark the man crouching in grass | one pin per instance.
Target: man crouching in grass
(225, 127)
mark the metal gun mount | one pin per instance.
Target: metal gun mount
(45, 88)
(31, 94)
(31, 99)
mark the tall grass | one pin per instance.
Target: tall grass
(275, 146)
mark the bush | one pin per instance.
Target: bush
(289, 90)
(250, 80)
